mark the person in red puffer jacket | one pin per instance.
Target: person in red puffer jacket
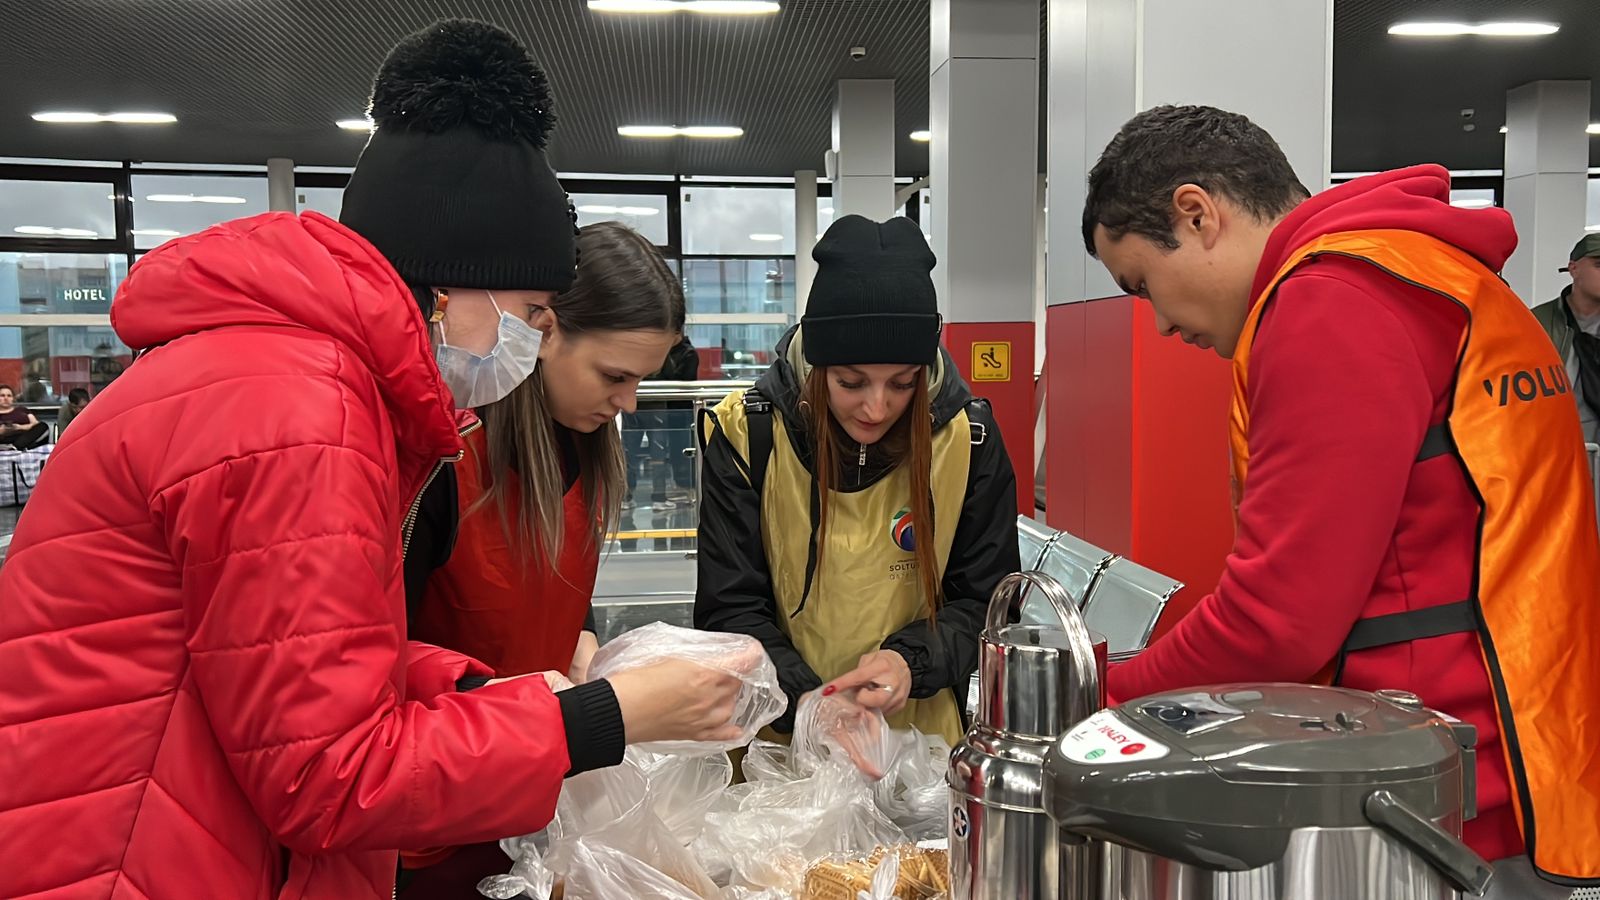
(208, 687)
(1361, 489)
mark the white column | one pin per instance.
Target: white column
(280, 185)
(984, 157)
(805, 237)
(1546, 171)
(1110, 59)
(863, 147)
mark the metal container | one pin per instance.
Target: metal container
(1034, 682)
(1271, 792)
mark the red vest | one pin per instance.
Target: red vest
(499, 602)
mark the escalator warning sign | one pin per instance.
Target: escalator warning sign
(991, 361)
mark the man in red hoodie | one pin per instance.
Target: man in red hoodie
(1373, 483)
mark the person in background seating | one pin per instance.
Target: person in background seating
(19, 428)
(1573, 322)
(77, 399)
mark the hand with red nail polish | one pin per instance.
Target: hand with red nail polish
(882, 680)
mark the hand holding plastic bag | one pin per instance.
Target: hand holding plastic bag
(828, 725)
(759, 701)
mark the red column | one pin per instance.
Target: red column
(1137, 444)
(996, 359)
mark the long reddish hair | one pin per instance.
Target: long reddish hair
(909, 443)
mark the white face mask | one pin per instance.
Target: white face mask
(480, 380)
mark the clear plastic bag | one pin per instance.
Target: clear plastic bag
(827, 726)
(765, 834)
(913, 792)
(683, 788)
(612, 808)
(760, 700)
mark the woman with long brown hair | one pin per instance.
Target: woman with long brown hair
(505, 548)
(864, 430)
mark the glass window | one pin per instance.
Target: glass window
(45, 363)
(744, 351)
(326, 200)
(761, 286)
(59, 283)
(644, 213)
(738, 220)
(166, 206)
(62, 209)
(824, 214)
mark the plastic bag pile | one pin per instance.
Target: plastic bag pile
(669, 823)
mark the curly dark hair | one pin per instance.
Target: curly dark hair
(1162, 149)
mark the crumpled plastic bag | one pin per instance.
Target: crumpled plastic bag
(608, 841)
(827, 726)
(765, 834)
(761, 700)
(913, 792)
(683, 788)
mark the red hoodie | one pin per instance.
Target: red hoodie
(1339, 522)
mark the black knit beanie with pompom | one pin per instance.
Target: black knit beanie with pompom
(453, 187)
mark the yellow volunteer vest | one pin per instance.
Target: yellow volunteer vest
(1537, 603)
(866, 587)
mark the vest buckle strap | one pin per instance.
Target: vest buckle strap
(1436, 441)
(1416, 624)
(980, 433)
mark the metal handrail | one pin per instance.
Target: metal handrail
(691, 390)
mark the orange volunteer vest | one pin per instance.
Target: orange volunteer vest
(1536, 603)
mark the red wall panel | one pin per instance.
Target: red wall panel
(1012, 400)
(1137, 443)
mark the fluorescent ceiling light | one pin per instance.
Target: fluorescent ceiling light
(47, 231)
(157, 232)
(1472, 203)
(1591, 128)
(119, 118)
(1517, 29)
(826, 211)
(1486, 29)
(355, 124)
(669, 131)
(601, 209)
(766, 237)
(923, 136)
(707, 7)
(192, 198)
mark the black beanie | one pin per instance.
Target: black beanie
(872, 300)
(453, 187)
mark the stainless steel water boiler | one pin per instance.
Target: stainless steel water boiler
(1034, 682)
(1271, 792)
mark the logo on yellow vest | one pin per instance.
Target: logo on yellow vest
(900, 531)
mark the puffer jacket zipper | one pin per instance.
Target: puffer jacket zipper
(410, 524)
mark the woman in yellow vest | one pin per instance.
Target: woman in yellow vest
(858, 506)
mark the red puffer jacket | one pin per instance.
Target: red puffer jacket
(208, 688)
